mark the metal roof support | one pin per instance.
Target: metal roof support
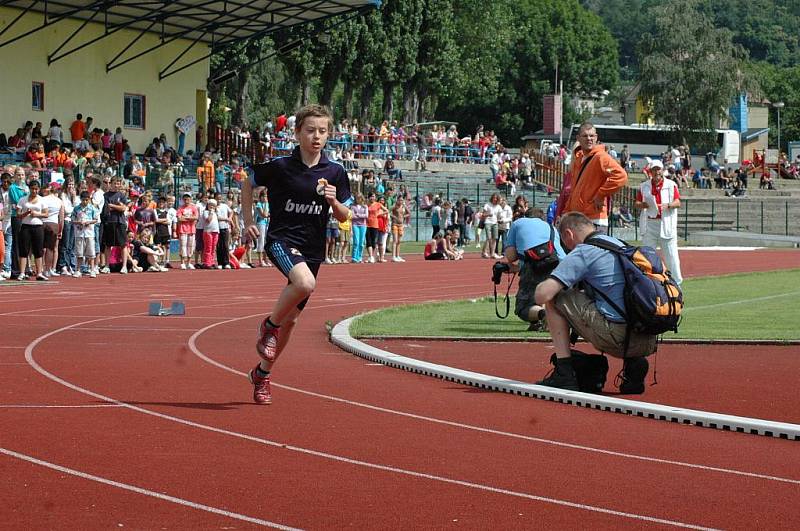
(111, 66)
(191, 45)
(48, 21)
(53, 58)
(22, 14)
(72, 35)
(258, 35)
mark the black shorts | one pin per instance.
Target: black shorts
(161, 239)
(31, 240)
(372, 236)
(285, 258)
(114, 235)
(198, 241)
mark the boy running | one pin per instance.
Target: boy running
(301, 188)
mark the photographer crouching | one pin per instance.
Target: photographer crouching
(534, 249)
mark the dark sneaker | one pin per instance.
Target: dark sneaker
(262, 394)
(633, 374)
(561, 376)
(267, 344)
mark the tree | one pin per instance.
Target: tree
(434, 57)
(689, 78)
(503, 84)
(780, 84)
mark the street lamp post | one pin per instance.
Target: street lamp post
(779, 105)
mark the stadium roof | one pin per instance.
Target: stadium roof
(216, 23)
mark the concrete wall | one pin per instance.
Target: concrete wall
(79, 83)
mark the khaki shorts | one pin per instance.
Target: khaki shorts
(591, 325)
(397, 231)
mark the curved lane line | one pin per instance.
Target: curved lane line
(333, 457)
(146, 492)
(197, 352)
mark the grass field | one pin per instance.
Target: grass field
(741, 306)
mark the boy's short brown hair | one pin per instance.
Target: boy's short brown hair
(313, 111)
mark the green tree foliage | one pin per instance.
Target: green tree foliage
(780, 84)
(690, 77)
(541, 33)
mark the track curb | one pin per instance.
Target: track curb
(340, 336)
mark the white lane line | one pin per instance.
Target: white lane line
(44, 406)
(742, 301)
(145, 492)
(193, 347)
(333, 457)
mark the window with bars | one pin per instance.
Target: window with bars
(37, 95)
(134, 111)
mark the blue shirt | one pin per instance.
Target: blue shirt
(15, 193)
(527, 233)
(598, 268)
(298, 215)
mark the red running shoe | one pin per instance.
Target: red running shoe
(267, 344)
(261, 390)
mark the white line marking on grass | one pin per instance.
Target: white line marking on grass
(193, 347)
(145, 492)
(325, 455)
(742, 301)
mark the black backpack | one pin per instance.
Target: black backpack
(543, 257)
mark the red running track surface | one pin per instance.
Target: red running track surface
(155, 435)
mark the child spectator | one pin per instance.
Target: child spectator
(437, 217)
(359, 221)
(187, 216)
(210, 235)
(343, 243)
(162, 228)
(145, 254)
(383, 229)
(262, 222)
(224, 216)
(434, 249)
(331, 239)
(398, 216)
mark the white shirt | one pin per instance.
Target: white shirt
(505, 216)
(224, 211)
(69, 204)
(98, 199)
(201, 219)
(26, 205)
(669, 216)
(54, 206)
(490, 213)
(210, 221)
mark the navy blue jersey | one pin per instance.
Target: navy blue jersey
(298, 214)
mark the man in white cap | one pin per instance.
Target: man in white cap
(659, 200)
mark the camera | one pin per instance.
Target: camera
(497, 271)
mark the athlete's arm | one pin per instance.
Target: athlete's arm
(340, 212)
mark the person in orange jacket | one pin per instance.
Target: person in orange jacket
(595, 177)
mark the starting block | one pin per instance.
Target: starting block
(156, 309)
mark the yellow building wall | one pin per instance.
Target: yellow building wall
(79, 82)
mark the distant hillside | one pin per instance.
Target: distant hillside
(768, 29)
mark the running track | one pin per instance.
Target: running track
(112, 419)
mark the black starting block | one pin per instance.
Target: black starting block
(176, 308)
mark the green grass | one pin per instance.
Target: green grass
(741, 306)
